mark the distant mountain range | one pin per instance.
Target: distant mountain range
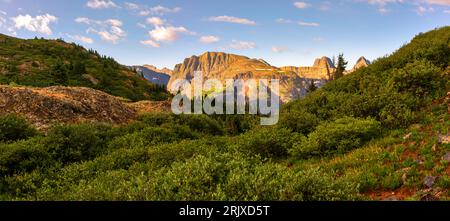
(153, 74)
(294, 81)
(43, 63)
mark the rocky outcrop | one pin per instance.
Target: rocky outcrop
(46, 106)
(361, 63)
(323, 69)
(324, 62)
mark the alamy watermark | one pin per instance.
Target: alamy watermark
(238, 96)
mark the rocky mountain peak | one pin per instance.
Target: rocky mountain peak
(155, 69)
(324, 62)
(362, 62)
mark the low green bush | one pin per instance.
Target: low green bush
(337, 136)
(268, 142)
(14, 128)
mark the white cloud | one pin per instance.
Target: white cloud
(279, 49)
(109, 30)
(284, 21)
(438, 2)
(101, 4)
(40, 23)
(231, 19)
(2, 19)
(140, 25)
(110, 22)
(301, 5)
(447, 11)
(151, 43)
(158, 10)
(209, 39)
(421, 10)
(83, 20)
(382, 4)
(167, 34)
(242, 45)
(302, 23)
(164, 34)
(131, 6)
(309, 24)
(318, 39)
(156, 21)
(81, 38)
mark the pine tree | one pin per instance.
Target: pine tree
(341, 66)
(312, 87)
(59, 73)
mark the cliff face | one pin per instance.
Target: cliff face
(322, 69)
(324, 62)
(222, 66)
(219, 65)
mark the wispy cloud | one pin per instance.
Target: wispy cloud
(109, 30)
(302, 5)
(151, 43)
(209, 39)
(158, 10)
(144, 10)
(81, 38)
(131, 6)
(101, 4)
(279, 49)
(309, 24)
(242, 45)
(284, 21)
(421, 10)
(301, 23)
(438, 2)
(231, 19)
(155, 21)
(40, 23)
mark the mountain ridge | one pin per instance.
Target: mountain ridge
(42, 63)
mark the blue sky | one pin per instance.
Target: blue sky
(283, 32)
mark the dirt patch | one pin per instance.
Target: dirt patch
(143, 107)
(399, 194)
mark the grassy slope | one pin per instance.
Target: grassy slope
(39, 62)
(396, 165)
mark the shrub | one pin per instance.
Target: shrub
(75, 143)
(14, 128)
(200, 123)
(268, 142)
(338, 136)
(299, 121)
(24, 156)
(270, 181)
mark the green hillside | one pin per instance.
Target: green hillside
(379, 133)
(41, 63)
